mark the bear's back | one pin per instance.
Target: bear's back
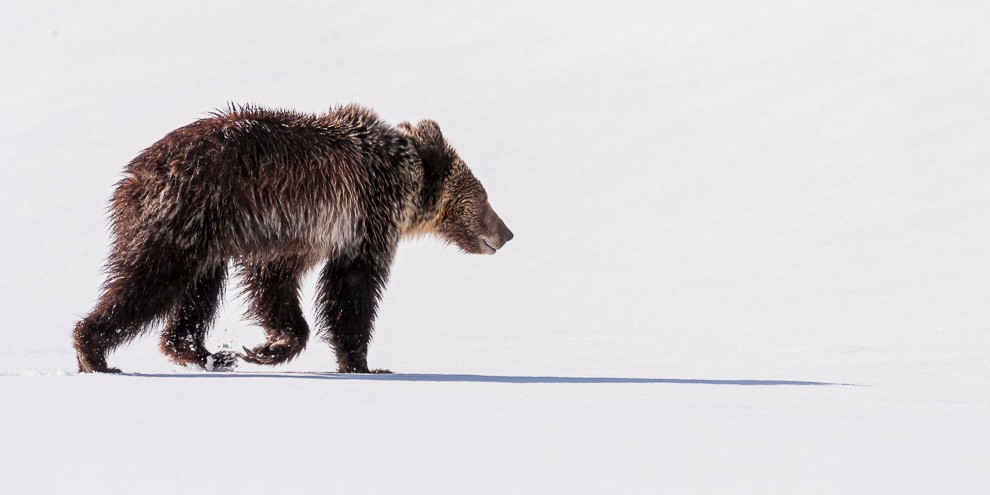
(253, 180)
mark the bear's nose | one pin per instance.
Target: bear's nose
(504, 233)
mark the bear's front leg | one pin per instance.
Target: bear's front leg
(347, 299)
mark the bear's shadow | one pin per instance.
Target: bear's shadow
(469, 378)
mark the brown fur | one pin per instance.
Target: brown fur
(276, 193)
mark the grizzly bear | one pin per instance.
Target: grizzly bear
(275, 193)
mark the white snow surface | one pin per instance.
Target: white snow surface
(752, 249)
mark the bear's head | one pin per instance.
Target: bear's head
(457, 204)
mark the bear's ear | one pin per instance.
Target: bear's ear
(436, 154)
(428, 131)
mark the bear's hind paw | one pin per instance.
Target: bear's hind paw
(220, 361)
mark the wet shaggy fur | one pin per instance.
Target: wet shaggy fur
(276, 193)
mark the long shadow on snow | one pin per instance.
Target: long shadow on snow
(416, 377)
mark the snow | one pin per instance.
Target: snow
(751, 250)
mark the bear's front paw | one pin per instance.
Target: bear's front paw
(362, 369)
(271, 353)
(109, 371)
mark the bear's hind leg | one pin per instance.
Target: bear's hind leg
(131, 300)
(273, 293)
(183, 337)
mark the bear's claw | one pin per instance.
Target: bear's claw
(270, 354)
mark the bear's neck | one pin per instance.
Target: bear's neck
(427, 203)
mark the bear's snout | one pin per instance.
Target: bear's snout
(498, 235)
(504, 234)
(494, 233)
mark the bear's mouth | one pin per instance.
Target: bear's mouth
(489, 246)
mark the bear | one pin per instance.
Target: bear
(274, 193)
